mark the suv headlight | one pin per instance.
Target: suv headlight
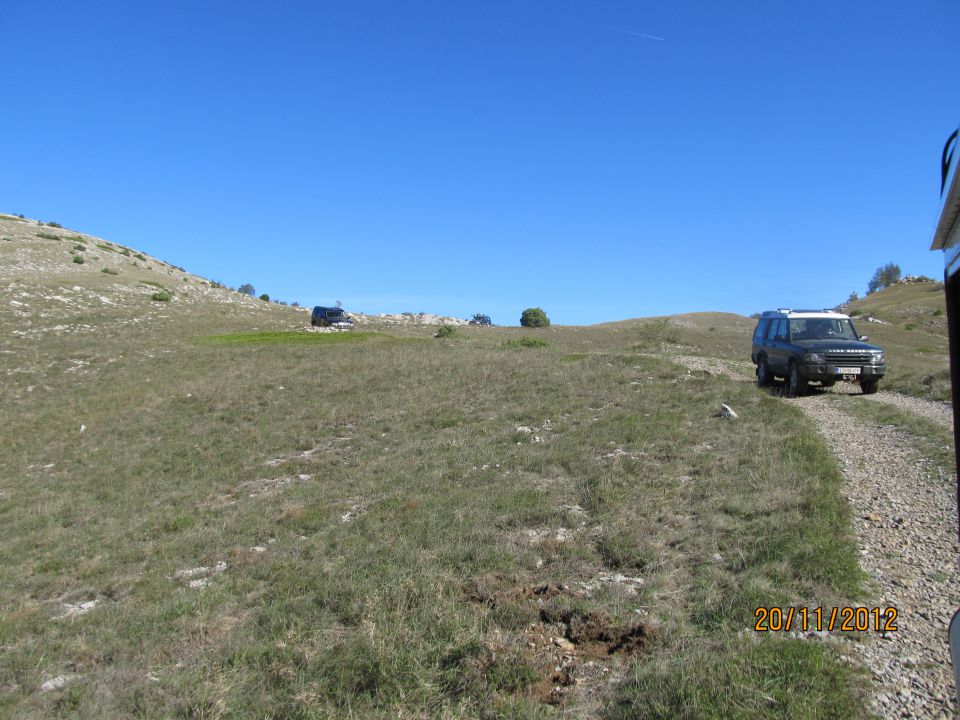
(813, 358)
(876, 358)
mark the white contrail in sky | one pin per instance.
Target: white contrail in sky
(637, 34)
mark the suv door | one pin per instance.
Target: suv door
(776, 346)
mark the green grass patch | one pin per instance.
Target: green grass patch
(161, 296)
(526, 342)
(47, 236)
(292, 338)
(102, 246)
(108, 271)
(771, 678)
(78, 260)
(153, 283)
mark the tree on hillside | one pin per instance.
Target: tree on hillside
(534, 317)
(853, 297)
(247, 289)
(265, 297)
(884, 277)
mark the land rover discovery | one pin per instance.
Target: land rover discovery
(331, 317)
(814, 346)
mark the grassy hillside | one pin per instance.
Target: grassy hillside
(203, 514)
(914, 334)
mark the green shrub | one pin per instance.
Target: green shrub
(53, 224)
(47, 236)
(936, 313)
(79, 248)
(854, 313)
(265, 297)
(445, 331)
(527, 342)
(534, 317)
(78, 260)
(108, 271)
(161, 296)
(140, 256)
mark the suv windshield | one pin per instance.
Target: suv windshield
(822, 329)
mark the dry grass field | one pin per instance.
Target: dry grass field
(206, 513)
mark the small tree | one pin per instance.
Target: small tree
(884, 277)
(265, 297)
(534, 317)
(853, 297)
(247, 289)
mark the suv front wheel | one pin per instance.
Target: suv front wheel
(869, 387)
(764, 378)
(796, 385)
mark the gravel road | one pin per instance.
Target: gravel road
(905, 517)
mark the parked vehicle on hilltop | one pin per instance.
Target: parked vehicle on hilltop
(331, 317)
(479, 319)
(821, 346)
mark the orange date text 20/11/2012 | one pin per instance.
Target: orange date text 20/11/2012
(835, 619)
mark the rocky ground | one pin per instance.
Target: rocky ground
(904, 512)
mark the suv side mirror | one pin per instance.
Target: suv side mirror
(864, 338)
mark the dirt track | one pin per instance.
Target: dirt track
(905, 517)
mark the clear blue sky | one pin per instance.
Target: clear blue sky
(602, 160)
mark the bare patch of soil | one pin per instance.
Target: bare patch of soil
(569, 645)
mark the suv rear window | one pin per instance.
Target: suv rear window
(761, 329)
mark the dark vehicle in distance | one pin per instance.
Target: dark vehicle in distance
(821, 346)
(331, 317)
(479, 319)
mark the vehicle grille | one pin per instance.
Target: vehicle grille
(848, 358)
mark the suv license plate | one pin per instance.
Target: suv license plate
(848, 371)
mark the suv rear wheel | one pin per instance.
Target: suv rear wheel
(796, 385)
(869, 387)
(764, 378)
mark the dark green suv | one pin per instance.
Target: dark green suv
(814, 346)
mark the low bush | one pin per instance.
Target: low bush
(108, 271)
(265, 297)
(534, 317)
(53, 224)
(527, 342)
(78, 260)
(79, 248)
(445, 331)
(47, 236)
(161, 296)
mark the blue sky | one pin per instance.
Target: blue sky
(601, 160)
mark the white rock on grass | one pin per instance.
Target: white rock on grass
(72, 610)
(56, 683)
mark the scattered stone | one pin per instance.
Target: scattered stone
(727, 412)
(56, 683)
(258, 549)
(72, 610)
